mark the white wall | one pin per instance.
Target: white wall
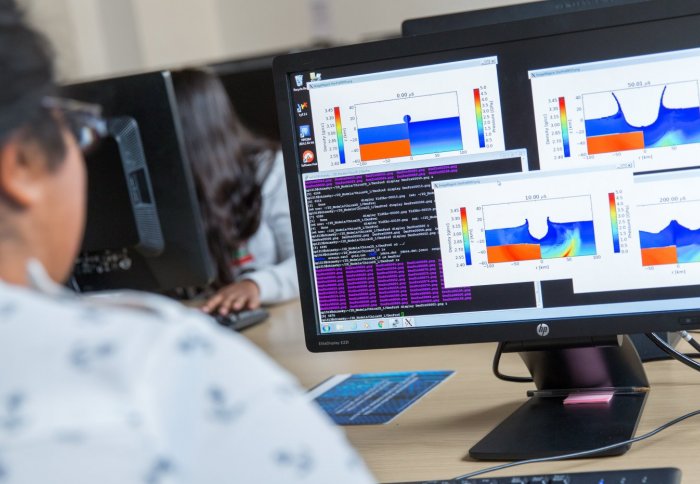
(96, 38)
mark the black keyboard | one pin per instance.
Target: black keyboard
(631, 476)
(242, 319)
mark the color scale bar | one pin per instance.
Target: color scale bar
(465, 237)
(613, 222)
(339, 133)
(479, 118)
(564, 127)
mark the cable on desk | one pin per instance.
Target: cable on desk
(497, 363)
(585, 453)
(691, 341)
(665, 358)
(671, 351)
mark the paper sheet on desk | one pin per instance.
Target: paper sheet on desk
(373, 398)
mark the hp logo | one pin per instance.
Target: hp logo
(542, 329)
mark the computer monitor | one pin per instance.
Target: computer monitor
(124, 248)
(535, 190)
(248, 83)
(509, 13)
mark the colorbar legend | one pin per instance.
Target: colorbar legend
(479, 118)
(613, 222)
(564, 127)
(465, 237)
(339, 134)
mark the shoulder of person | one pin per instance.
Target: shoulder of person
(271, 173)
(146, 326)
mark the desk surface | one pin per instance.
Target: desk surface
(431, 439)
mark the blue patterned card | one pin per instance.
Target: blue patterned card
(374, 398)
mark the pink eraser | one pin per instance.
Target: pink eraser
(587, 398)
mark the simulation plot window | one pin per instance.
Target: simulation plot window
(642, 110)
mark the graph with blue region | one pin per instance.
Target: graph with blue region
(566, 239)
(412, 138)
(673, 126)
(675, 244)
(421, 125)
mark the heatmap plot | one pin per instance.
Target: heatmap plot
(675, 244)
(642, 110)
(563, 239)
(411, 126)
(652, 117)
(665, 233)
(535, 226)
(404, 115)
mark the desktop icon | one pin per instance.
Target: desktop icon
(302, 107)
(315, 76)
(299, 78)
(326, 328)
(308, 157)
(305, 131)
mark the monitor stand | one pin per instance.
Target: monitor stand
(545, 426)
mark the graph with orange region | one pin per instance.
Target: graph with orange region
(545, 230)
(674, 244)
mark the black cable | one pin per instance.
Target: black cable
(670, 350)
(691, 341)
(496, 364)
(585, 453)
(665, 358)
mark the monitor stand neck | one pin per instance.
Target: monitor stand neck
(546, 426)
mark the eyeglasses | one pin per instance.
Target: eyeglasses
(84, 121)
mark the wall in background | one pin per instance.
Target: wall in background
(97, 38)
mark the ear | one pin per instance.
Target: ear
(22, 172)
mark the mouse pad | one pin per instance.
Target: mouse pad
(373, 398)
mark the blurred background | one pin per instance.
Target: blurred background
(98, 38)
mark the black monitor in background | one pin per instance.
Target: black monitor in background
(144, 229)
(248, 83)
(509, 13)
(504, 185)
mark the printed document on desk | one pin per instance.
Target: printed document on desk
(374, 398)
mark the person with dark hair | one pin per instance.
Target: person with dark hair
(129, 389)
(243, 197)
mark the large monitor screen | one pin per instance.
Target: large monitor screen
(535, 186)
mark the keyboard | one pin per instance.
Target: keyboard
(631, 476)
(242, 319)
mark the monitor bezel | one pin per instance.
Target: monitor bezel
(515, 331)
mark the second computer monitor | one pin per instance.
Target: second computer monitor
(148, 100)
(513, 13)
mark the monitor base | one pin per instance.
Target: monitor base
(544, 426)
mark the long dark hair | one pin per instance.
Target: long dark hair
(225, 158)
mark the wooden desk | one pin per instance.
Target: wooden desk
(431, 439)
